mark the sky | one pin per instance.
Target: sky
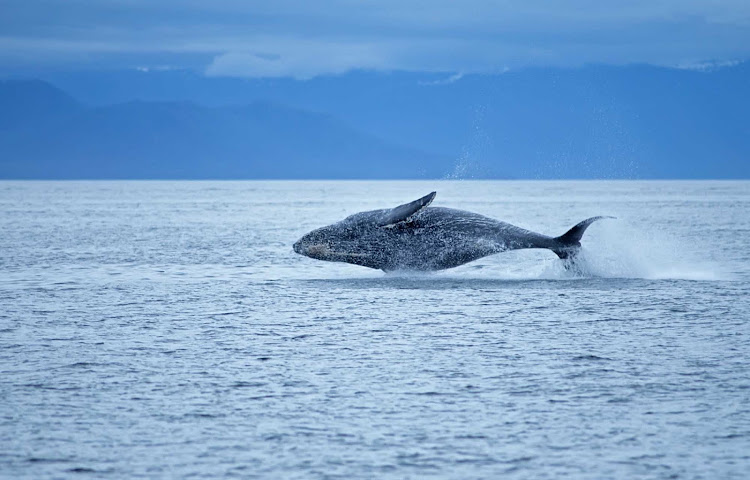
(304, 39)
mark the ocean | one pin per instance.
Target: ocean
(158, 329)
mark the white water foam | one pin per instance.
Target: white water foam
(619, 249)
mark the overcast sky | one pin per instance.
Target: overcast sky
(307, 38)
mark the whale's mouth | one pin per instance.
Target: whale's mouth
(323, 251)
(318, 250)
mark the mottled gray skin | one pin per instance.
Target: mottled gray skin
(430, 238)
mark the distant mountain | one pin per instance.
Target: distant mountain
(44, 133)
(24, 103)
(634, 121)
(592, 122)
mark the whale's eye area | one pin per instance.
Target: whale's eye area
(349, 233)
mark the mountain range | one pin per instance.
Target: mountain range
(590, 122)
(44, 133)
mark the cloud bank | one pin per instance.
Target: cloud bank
(303, 39)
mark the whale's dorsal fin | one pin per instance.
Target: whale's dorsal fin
(404, 212)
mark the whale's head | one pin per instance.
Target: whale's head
(352, 240)
(361, 238)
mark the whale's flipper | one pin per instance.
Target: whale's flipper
(403, 212)
(570, 242)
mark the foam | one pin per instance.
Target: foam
(620, 249)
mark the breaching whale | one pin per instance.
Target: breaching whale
(415, 236)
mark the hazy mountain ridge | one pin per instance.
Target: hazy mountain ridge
(46, 134)
(591, 122)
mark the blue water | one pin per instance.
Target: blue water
(167, 330)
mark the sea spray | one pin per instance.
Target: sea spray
(468, 165)
(620, 249)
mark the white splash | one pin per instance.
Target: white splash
(618, 249)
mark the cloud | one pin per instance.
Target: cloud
(707, 66)
(301, 59)
(303, 39)
(445, 81)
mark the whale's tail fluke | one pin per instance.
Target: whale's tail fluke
(569, 243)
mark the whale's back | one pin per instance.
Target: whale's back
(439, 237)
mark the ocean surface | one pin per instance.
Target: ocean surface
(168, 330)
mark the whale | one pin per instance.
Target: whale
(418, 237)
